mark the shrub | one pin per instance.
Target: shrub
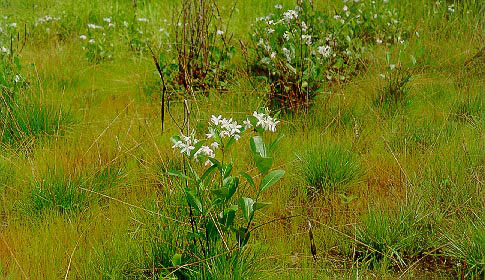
(329, 168)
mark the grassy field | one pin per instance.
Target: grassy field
(383, 178)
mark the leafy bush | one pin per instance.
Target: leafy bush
(297, 50)
(328, 168)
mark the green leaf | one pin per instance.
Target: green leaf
(246, 205)
(263, 163)
(208, 172)
(227, 216)
(227, 170)
(248, 178)
(275, 142)
(193, 200)
(177, 173)
(177, 260)
(175, 139)
(257, 146)
(270, 179)
(261, 205)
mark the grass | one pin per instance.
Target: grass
(396, 186)
(329, 168)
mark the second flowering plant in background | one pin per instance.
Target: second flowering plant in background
(221, 213)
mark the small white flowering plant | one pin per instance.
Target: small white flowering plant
(221, 208)
(97, 40)
(297, 51)
(11, 79)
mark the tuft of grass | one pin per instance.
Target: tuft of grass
(470, 109)
(329, 168)
(469, 248)
(32, 120)
(391, 238)
(394, 94)
(62, 192)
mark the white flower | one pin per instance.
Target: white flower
(91, 41)
(392, 66)
(94, 26)
(325, 51)
(186, 149)
(125, 23)
(278, 6)
(270, 30)
(111, 25)
(107, 20)
(186, 144)
(345, 8)
(289, 15)
(286, 35)
(143, 20)
(382, 76)
(215, 145)
(216, 120)
(272, 55)
(17, 78)
(265, 121)
(205, 151)
(4, 50)
(83, 37)
(13, 24)
(307, 39)
(379, 41)
(220, 32)
(247, 124)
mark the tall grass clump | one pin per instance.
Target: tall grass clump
(30, 120)
(329, 168)
(392, 238)
(62, 192)
(469, 248)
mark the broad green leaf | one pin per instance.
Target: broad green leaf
(175, 139)
(248, 178)
(263, 163)
(270, 179)
(261, 205)
(193, 200)
(274, 143)
(246, 205)
(257, 146)
(227, 170)
(177, 173)
(208, 172)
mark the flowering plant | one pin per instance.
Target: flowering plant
(297, 50)
(221, 215)
(98, 41)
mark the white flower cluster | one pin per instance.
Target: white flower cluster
(186, 144)
(226, 128)
(265, 121)
(219, 129)
(46, 19)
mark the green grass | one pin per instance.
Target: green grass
(328, 168)
(391, 177)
